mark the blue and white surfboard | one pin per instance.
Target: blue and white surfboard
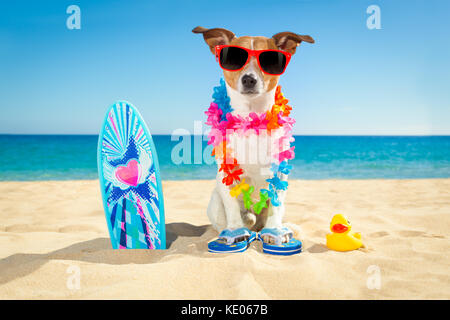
(130, 180)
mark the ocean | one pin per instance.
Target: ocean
(71, 157)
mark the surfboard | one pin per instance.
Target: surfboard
(130, 180)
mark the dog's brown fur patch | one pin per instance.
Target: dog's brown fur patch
(259, 43)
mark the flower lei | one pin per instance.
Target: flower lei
(220, 118)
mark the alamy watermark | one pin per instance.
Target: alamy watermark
(374, 20)
(374, 279)
(259, 149)
(74, 20)
(74, 279)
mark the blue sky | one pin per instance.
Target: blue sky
(351, 81)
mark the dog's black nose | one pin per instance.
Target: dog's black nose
(248, 81)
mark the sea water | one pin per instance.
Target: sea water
(68, 157)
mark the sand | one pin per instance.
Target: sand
(53, 234)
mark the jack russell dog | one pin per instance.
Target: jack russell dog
(251, 69)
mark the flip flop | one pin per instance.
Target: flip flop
(293, 246)
(230, 241)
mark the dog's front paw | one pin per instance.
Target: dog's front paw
(279, 241)
(231, 236)
(276, 236)
(270, 240)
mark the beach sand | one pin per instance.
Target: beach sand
(53, 232)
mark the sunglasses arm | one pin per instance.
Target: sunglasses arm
(217, 49)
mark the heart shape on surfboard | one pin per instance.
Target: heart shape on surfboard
(129, 174)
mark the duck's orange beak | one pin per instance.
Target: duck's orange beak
(339, 228)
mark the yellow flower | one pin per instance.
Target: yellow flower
(236, 190)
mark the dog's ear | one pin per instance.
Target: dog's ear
(215, 37)
(289, 41)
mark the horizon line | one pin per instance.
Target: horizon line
(301, 135)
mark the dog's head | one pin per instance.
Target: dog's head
(251, 80)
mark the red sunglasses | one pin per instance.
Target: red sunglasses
(234, 58)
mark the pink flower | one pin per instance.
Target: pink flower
(286, 155)
(234, 122)
(242, 124)
(286, 122)
(286, 139)
(215, 137)
(213, 115)
(258, 122)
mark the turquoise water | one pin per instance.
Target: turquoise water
(50, 157)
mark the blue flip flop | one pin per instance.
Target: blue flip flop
(231, 241)
(293, 246)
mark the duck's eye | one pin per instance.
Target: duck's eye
(348, 221)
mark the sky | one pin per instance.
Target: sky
(352, 81)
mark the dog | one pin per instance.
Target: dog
(249, 90)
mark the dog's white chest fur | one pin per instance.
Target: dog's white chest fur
(243, 104)
(252, 151)
(255, 153)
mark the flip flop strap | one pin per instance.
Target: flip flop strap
(230, 236)
(276, 234)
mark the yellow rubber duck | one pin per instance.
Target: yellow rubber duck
(341, 239)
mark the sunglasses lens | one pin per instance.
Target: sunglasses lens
(272, 62)
(232, 58)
